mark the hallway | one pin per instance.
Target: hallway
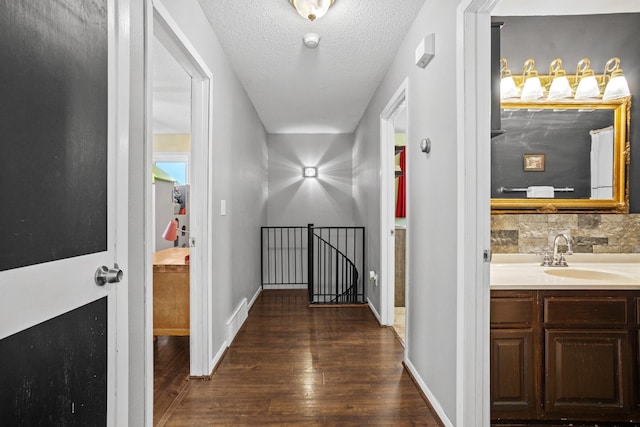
(295, 365)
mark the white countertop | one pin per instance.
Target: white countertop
(585, 271)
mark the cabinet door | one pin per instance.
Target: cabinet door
(512, 374)
(587, 374)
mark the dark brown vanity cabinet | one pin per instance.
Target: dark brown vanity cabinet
(636, 359)
(587, 355)
(514, 389)
(565, 355)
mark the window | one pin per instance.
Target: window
(175, 164)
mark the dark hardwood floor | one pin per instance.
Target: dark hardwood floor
(295, 365)
(170, 372)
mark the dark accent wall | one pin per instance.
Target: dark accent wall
(599, 37)
(53, 125)
(55, 373)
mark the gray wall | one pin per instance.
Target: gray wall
(238, 162)
(432, 195)
(599, 37)
(324, 201)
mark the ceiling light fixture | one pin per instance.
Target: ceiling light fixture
(312, 9)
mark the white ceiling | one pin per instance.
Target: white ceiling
(171, 93)
(322, 90)
(301, 90)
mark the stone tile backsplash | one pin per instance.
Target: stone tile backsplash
(591, 233)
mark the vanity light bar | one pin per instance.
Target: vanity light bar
(558, 85)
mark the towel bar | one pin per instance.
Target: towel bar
(516, 189)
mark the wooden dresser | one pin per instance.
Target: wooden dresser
(171, 292)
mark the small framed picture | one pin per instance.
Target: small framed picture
(533, 162)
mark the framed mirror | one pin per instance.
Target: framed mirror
(568, 155)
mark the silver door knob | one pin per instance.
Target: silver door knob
(106, 275)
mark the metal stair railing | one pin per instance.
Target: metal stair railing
(332, 256)
(328, 261)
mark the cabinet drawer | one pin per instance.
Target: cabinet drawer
(585, 310)
(512, 312)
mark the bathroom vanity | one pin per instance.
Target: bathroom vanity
(565, 341)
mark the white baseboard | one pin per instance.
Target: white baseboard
(236, 320)
(375, 312)
(427, 392)
(218, 356)
(285, 286)
(233, 325)
(254, 298)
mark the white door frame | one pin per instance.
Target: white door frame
(121, 103)
(387, 205)
(161, 25)
(474, 172)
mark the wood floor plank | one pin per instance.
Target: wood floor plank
(170, 372)
(291, 364)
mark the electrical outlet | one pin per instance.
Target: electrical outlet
(373, 277)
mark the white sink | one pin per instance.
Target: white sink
(583, 273)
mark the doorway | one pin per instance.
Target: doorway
(393, 230)
(400, 221)
(170, 215)
(186, 149)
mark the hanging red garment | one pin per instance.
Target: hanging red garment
(401, 200)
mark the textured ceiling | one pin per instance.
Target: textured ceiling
(322, 90)
(301, 90)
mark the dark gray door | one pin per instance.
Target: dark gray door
(58, 329)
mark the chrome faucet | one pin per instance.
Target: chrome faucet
(558, 258)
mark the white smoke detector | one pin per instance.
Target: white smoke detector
(311, 40)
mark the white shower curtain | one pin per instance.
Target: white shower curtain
(602, 163)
